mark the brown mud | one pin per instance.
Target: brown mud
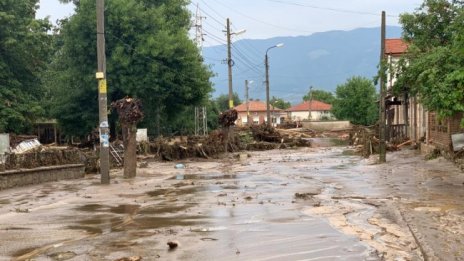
(318, 203)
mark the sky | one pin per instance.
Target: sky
(271, 18)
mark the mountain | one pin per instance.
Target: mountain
(323, 60)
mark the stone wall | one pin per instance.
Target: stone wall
(23, 177)
(45, 158)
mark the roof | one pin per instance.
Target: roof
(315, 106)
(255, 106)
(395, 46)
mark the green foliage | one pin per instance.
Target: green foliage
(433, 68)
(320, 95)
(356, 101)
(280, 103)
(149, 56)
(23, 51)
(222, 101)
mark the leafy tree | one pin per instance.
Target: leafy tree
(222, 101)
(280, 103)
(149, 56)
(320, 95)
(356, 101)
(433, 68)
(23, 54)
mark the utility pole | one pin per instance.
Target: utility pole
(268, 112)
(230, 63)
(247, 102)
(310, 102)
(201, 120)
(102, 95)
(382, 127)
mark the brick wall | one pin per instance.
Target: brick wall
(440, 130)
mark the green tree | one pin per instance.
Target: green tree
(280, 103)
(222, 101)
(149, 56)
(23, 54)
(320, 95)
(433, 68)
(356, 101)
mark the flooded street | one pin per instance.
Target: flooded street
(321, 203)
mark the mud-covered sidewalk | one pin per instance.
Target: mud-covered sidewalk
(305, 204)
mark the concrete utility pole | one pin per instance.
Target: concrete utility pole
(230, 63)
(309, 102)
(247, 102)
(102, 97)
(382, 127)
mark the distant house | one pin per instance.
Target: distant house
(407, 112)
(256, 111)
(319, 111)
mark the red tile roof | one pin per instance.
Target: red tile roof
(315, 106)
(395, 47)
(255, 106)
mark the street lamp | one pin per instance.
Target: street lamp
(266, 61)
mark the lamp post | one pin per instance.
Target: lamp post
(266, 61)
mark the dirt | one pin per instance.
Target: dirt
(317, 203)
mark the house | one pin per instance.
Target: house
(317, 109)
(257, 113)
(407, 117)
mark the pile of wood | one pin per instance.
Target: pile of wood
(129, 110)
(367, 141)
(266, 133)
(228, 118)
(210, 146)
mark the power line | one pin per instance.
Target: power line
(260, 21)
(328, 8)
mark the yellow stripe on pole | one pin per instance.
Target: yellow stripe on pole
(231, 104)
(102, 86)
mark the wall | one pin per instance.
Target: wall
(23, 177)
(315, 115)
(259, 117)
(327, 125)
(440, 130)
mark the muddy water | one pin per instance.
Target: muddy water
(308, 204)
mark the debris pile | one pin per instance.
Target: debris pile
(129, 110)
(228, 118)
(210, 146)
(367, 142)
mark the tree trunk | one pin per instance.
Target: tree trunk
(130, 150)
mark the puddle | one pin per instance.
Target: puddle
(91, 208)
(208, 229)
(24, 251)
(61, 256)
(152, 210)
(144, 222)
(209, 176)
(4, 201)
(125, 209)
(88, 229)
(174, 191)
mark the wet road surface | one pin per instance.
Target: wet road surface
(306, 204)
